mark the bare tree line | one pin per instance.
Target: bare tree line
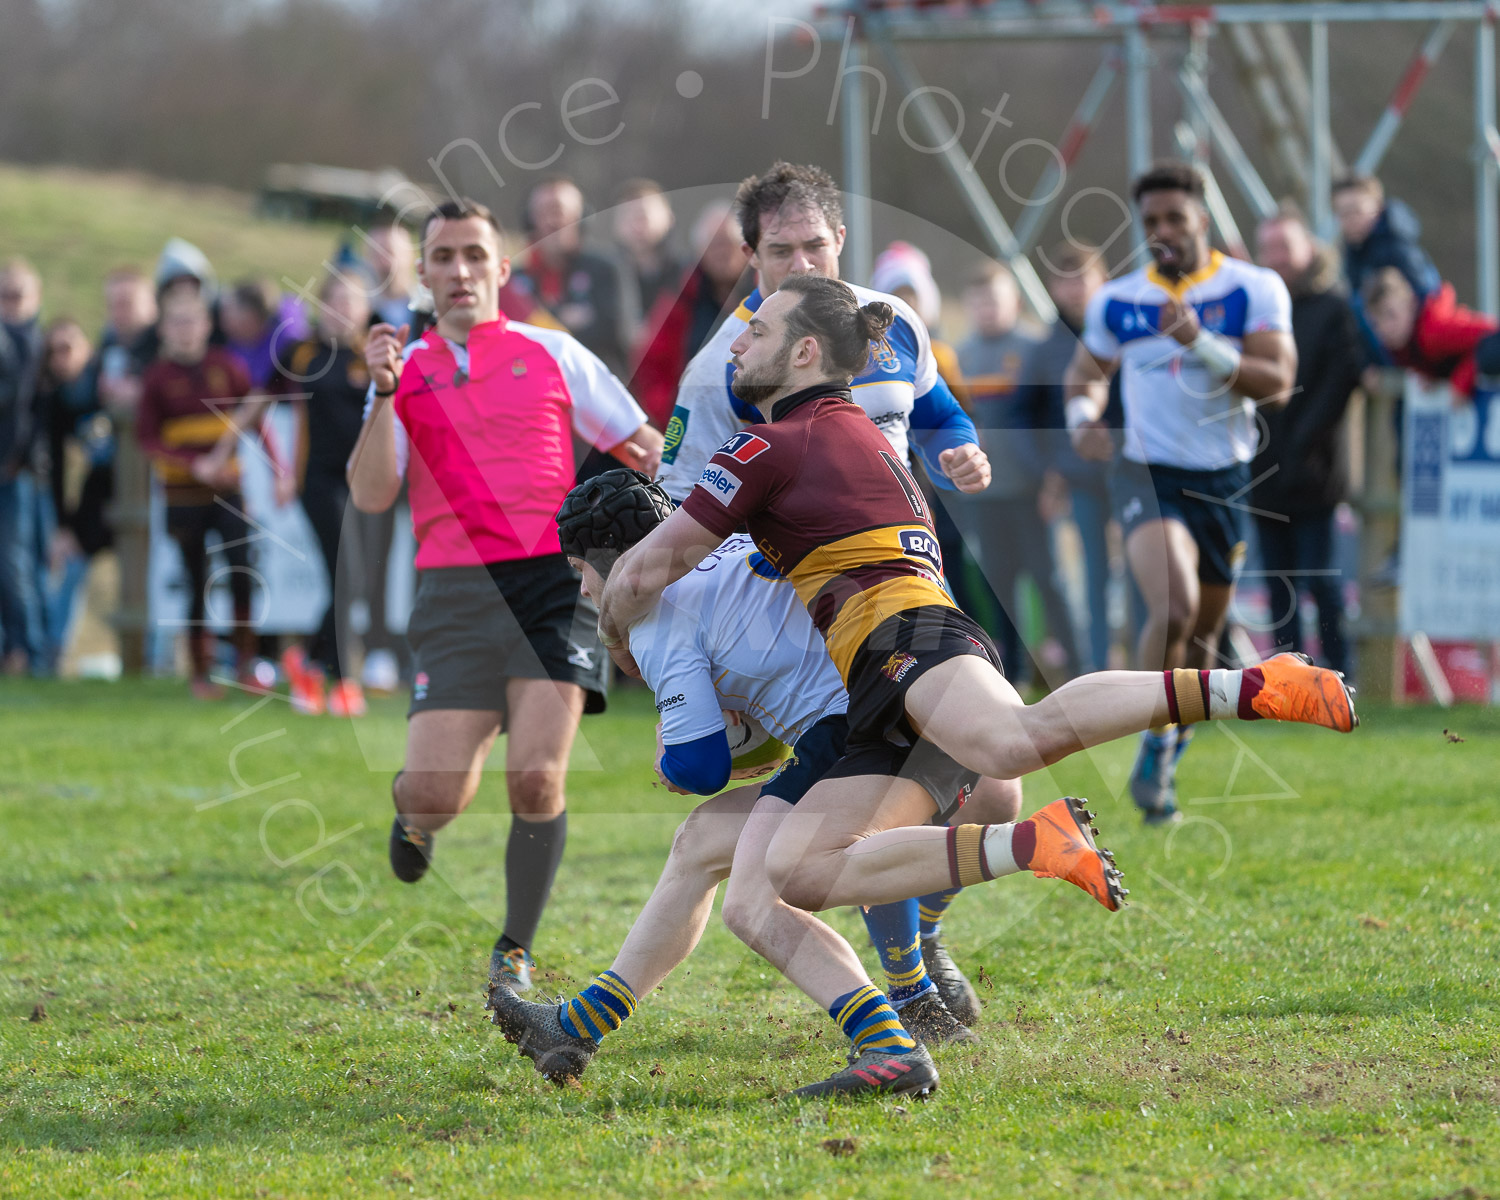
(212, 91)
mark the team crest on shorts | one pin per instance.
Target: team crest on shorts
(898, 666)
(419, 686)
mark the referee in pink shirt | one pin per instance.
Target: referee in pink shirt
(479, 419)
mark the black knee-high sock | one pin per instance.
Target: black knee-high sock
(531, 859)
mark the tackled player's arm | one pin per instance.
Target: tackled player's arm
(1086, 388)
(644, 571)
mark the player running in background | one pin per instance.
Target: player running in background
(1202, 339)
(481, 424)
(793, 223)
(929, 711)
(733, 635)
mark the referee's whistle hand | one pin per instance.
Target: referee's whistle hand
(967, 467)
(383, 355)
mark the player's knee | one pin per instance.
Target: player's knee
(419, 793)
(536, 793)
(744, 916)
(695, 847)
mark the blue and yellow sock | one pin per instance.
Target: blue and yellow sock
(930, 910)
(871, 1023)
(894, 934)
(599, 1009)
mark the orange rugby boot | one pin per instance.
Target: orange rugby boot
(1292, 689)
(1065, 849)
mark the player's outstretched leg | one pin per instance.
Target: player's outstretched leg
(857, 840)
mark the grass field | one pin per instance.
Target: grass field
(75, 225)
(211, 985)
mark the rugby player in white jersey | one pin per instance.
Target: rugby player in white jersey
(792, 220)
(1202, 340)
(732, 637)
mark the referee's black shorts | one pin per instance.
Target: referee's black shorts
(473, 628)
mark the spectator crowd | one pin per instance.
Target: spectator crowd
(187, 372)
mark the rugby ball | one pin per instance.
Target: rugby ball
(752, 750)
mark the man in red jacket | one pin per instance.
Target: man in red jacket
(1435, 336)
(682, 320)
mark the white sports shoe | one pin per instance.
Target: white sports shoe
(382, 672)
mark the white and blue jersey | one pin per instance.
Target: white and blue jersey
(732, 634)
(1176, 413)
(902, 393)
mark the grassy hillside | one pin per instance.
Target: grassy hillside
(76, 225)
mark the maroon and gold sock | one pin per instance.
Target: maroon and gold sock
(979, 853)
(1194, 696)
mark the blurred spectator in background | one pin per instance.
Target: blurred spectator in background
(183, 267)
(68, 398)
(258, 329)
(391, 260)
(1072, 272)
(642, 224)
(1378, 233)
(25, 502)
(903, 270)
(584, 292)
(128, 342)
(1302, 468)
(187, 425)
(679, 324)
(327, 375)
(1006, 521)
(1433, 334)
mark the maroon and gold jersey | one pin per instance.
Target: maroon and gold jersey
(185, 409)
(833, 509)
